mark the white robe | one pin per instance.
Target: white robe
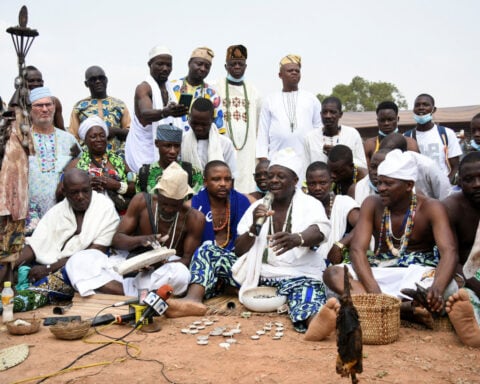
(274, 131)
(53, 238)
(244, 181)
(216, 147)
(140, 143)
(91, 269)
(348, 136)
(363, 190)
(342, 206)
(299, 261)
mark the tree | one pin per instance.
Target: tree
(363, 95)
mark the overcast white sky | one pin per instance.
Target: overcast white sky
(419, 45)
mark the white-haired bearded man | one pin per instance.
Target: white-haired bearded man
(413, 242)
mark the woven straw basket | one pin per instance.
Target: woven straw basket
(379, 317)
(21, 329)
(70, 330)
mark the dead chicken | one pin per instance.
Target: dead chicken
(349, 336)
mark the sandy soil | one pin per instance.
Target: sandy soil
(419, 356)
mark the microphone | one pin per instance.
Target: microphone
(126, 302)
(155, 300)
(267, 201)
(109, 318)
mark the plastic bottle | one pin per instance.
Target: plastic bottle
(7, 302)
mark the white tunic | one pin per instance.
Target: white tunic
(274, 129)
(431, 145)
(315, 140)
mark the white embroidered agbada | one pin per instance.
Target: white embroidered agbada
(140, 143)
(299, 261)
(53, 238)
(200, 152)
(237, 131)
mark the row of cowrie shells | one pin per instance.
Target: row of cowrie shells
(267, 328)
(198, 325)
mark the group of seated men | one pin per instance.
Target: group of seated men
(397, 237)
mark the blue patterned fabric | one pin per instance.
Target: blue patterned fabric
(305, 297)
(427, 259)
(211, 267)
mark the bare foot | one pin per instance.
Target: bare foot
(416, 314)
(183, 308)
(460, 311)
(324, 322)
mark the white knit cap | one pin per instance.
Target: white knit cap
(158, 50)
(399, 165)
(288, 158)
(91, 121)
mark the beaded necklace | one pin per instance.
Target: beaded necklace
(332, 140)
(173, 225)
(408, 223)
(287, 227)
(223, 245)
(46, 162)
(226, 221)
(338, 188)
(228, 115)
(331, 199)
(290, 106)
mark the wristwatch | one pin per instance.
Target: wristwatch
(131, 177)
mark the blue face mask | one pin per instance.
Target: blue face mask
(475, 145)
(372, 186)
(233, 79)
(422, 119)
(383, 134)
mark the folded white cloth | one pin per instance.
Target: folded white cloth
(54, 237)
(472, 264)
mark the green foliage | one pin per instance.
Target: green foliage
(363, 95)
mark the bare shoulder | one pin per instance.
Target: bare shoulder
(430, 207)
(194, 215)
(195, 220)
(370, 142)
(137, 204)
(453, 200)
(142, 89)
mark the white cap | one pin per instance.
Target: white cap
(158, 50)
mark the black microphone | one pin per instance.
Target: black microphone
(109, 318)
(155, 304)
(267, 201)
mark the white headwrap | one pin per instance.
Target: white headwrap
(399, 165)
(288, 158)
(91, 121)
